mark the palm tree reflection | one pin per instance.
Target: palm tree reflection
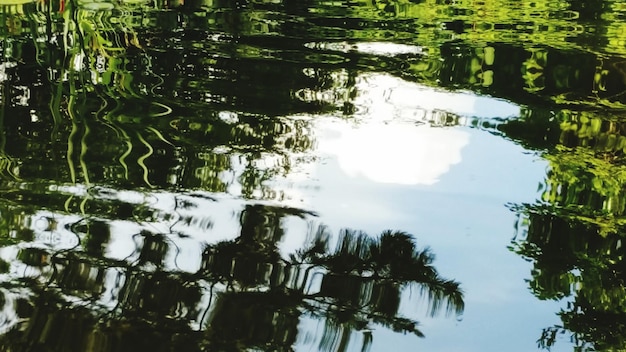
(357, 284)
(246, 295)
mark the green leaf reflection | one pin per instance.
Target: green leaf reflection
(574, 234)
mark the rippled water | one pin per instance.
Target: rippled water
(312, 175)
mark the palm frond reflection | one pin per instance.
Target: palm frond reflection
(245, 294)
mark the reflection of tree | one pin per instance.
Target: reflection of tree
(573, 260)
(392, 259)
(245, 294)
(138, 103)
(364, 279)
(574, 235)
(359, 283)
(113, 112)
(150, 107)
(147, 102)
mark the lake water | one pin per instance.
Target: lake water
(277, 175)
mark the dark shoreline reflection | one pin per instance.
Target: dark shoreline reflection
(244, 295)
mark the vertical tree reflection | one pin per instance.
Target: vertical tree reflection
(574, 235)
(576, 261)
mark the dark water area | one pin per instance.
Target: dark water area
(207, 175)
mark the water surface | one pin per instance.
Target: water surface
(312, 175)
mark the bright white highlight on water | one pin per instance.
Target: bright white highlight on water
(395, 153)
(391, 138)
(372, 48)
(384, 97)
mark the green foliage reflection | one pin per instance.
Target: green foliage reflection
(101, 100)
(573, 235)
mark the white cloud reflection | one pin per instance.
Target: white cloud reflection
(392, 139)
(398, 153)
